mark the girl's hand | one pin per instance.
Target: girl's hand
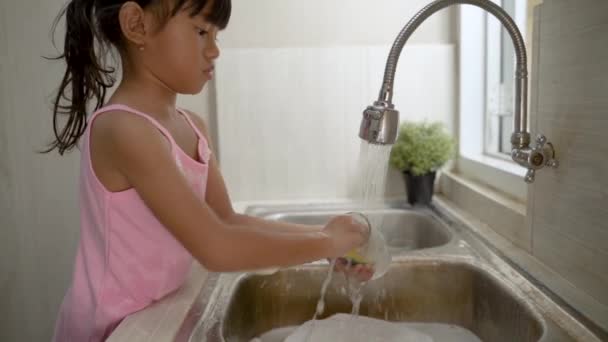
(361, 272)
(348, 234)
(345, 234)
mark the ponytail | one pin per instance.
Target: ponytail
(85, 78)
(92, 28)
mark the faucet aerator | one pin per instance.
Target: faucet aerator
(380, 124)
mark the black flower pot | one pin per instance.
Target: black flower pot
(419, 188)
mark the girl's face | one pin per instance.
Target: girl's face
(182, 53)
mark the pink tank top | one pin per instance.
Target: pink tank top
(126, 258)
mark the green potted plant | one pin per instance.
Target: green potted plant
(420, 150)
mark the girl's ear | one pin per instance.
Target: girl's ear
(132, 20)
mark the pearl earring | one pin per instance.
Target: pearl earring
(141, 48)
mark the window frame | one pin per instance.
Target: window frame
(474, 160)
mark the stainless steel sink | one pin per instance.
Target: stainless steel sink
(441, 272)
(403, 230)
(423, 291)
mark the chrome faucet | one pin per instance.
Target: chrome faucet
(381, 120)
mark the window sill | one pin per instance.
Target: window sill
(500, 163)
(501, 175)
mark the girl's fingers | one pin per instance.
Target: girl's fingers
(367, 274)
(361, 272)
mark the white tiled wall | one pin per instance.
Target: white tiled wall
(288, 118)
(288, 52)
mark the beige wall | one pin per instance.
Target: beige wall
(38, 193)
(568, 207)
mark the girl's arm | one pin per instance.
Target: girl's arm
(247, 220)
(137, 150)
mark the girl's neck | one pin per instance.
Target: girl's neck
(145, 92)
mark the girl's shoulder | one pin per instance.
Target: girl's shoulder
(128, 136)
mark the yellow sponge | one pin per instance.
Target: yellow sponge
(355, 257)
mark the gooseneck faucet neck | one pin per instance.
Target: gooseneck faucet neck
(521, 73)
(381, 120)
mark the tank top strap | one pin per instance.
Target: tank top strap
(199, 134)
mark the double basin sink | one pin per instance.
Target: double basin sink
(440, 273)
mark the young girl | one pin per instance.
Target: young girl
(151, 193)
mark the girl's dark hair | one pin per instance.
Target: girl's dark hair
(92, 28)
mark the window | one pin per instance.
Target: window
(486, 84)
(500, 71)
